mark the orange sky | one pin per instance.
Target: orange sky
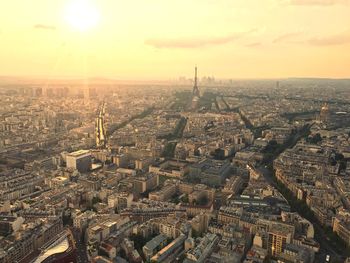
(162, 39)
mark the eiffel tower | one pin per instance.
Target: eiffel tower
(195, 92)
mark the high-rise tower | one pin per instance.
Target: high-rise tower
(86, 94)
(195, 92)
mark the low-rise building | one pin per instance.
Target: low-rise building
(79, 160)
(145, 183)
(154, 245)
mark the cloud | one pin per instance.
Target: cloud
(317, 2)
(255, 44)
(195, 42)
(285, 37)
(44, 27)
(332, 40)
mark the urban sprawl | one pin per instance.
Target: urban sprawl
(199, 170)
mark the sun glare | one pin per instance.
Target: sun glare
(82, 15)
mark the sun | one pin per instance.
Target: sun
(82, 15)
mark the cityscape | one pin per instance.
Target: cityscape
(190, 166)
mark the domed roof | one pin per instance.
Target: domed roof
(325, 107)
(195, 98)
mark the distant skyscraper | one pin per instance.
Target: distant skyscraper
(45, 91)
(38, 92)
(89, 93)
(277, 85)
(86, 92)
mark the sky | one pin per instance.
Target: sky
(165, 39)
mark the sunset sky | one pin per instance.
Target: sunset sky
(163, 39)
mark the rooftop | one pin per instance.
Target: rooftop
(79, 153)
(152, 244)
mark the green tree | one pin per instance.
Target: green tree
(184, 199)
(203, 200)
(95, 200)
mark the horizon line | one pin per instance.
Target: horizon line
(177, 79)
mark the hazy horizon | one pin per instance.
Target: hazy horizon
(98, 79)
(161, 40)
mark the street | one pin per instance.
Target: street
(326, 247)
(81, 247)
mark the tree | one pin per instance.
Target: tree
(184, 199)
(314, 139)
(67, 220)
(338, 156)
(95, 200)
(270, 147)
(203, 200)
